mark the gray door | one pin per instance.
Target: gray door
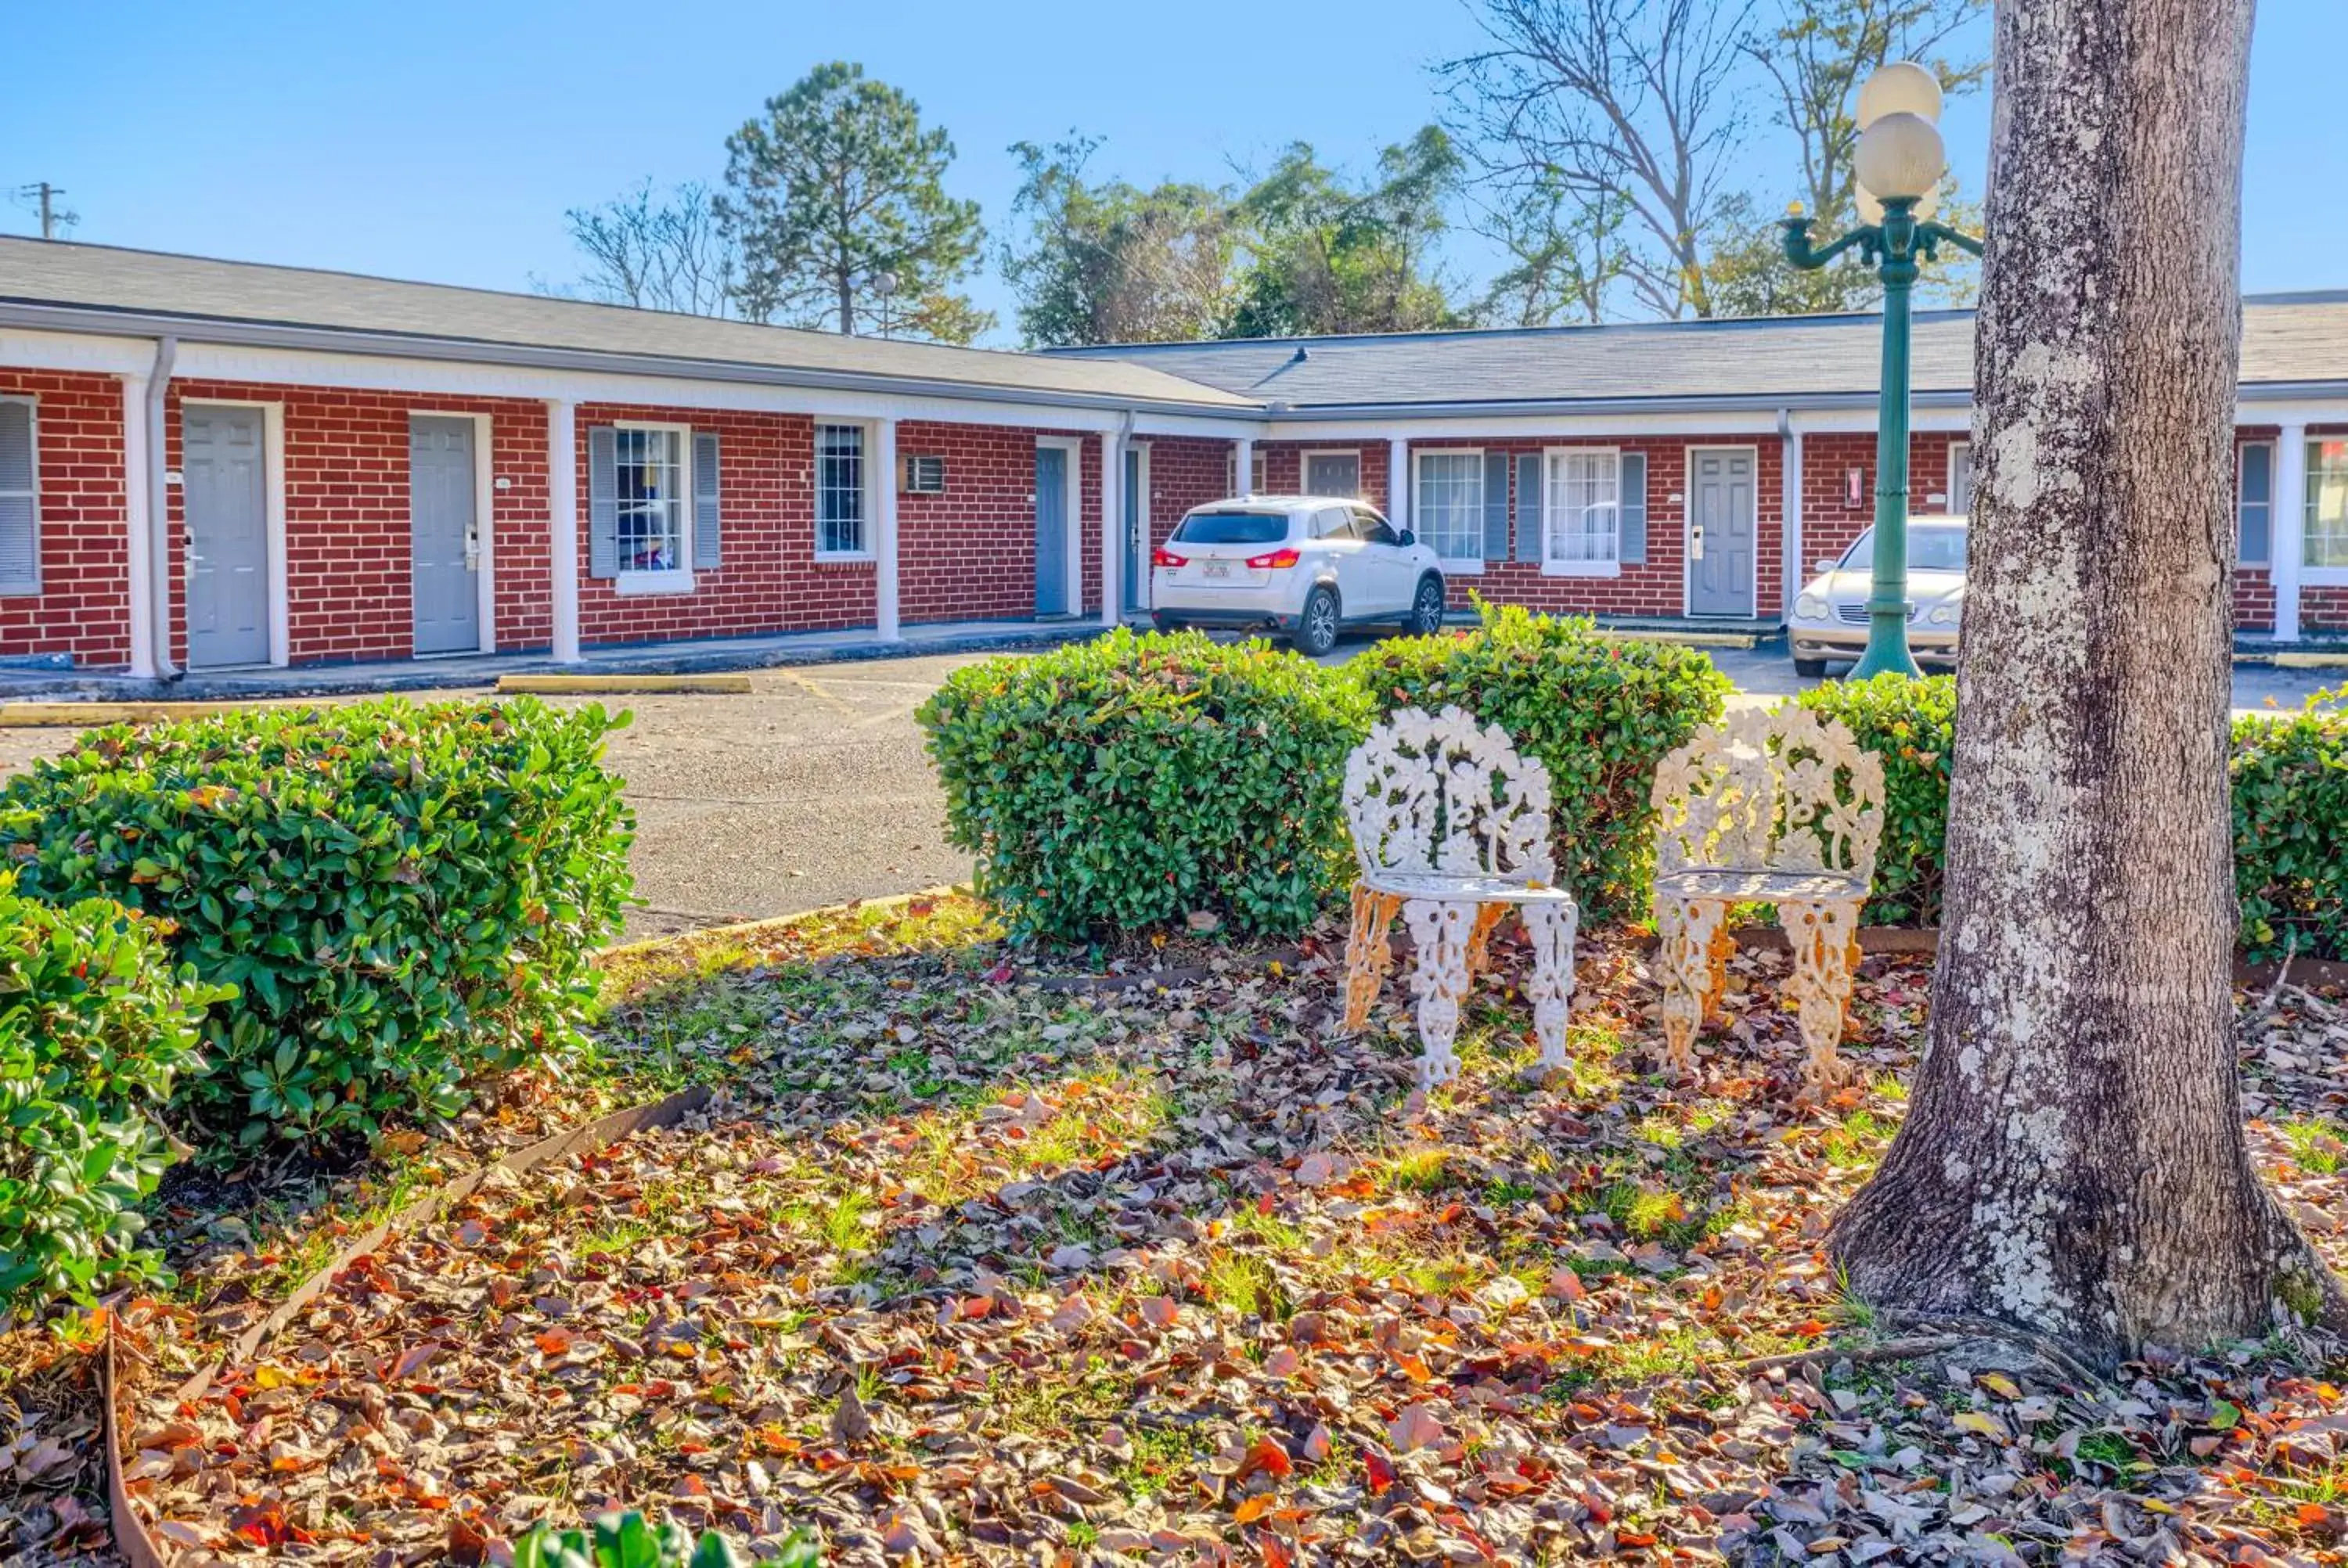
(1333, 474)
(224, 491)
(1051, 530)
(1720, 534)
(443, 543)
(1137, 531)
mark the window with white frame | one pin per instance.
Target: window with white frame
(839, 490)
(1448, 513)
(1583, 498)
(1960, 478)
(2327, 504)
(649, 489)
(20, 512)
(2254, 502)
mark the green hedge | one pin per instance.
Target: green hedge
(1123, 783)
(2290, 775)
(1912, 725)
(1600, 711)
(95, 1021)
(403, 895)
(2290, 785)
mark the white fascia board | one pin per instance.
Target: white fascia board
(1220, 427)
(1467, 421)
(1920, 421)
(76, 352)
(2252, 409)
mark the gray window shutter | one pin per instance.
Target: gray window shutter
(1529, 508)
(1633, 550)
(2257, 504)
(20, 532)
(603, 502)
(704, 499)
(1496, 506)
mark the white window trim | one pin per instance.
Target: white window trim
(1304, 467)
(871, 506)
(32, 432)
(2310, 574)
(2274, 461)
(1452, 567)
(1949, 480)
(1550, 509)
(678, 579)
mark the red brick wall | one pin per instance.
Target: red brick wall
(1185, 471)
(83, 610)
(1283, 465)
(769, 579)
(970, 554)
(1829, 523)
(348, 545)
(1657, 586)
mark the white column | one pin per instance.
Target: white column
(138, 495)
(562, 523)
(1398, 483)
(1112, 532)
(2289, 546)
(1789, 505)
(1243, 469)
(884, 544)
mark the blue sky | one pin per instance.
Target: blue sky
(443, 140)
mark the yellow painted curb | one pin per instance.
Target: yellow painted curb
(1689, 638)
(2311, 661)
(735, 683)
(96, 715)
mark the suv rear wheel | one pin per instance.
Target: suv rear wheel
(1316, 626)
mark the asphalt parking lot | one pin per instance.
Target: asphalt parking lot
(813, 789)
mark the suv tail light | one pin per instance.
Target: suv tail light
(1164, 557)
(1281, 557)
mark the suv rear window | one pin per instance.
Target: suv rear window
(1233, 529)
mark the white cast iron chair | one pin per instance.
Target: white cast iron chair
(1768, 806)
(1451, 827)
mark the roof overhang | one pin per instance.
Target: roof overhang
(39, 316)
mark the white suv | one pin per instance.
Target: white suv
(1302, 565)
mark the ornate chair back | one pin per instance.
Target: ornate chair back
(1770, 790)
(1438, 793)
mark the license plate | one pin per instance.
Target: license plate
(1215, 568)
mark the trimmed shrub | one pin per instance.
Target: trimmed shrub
(403, 895)
(2289, 777)
(1912, 725)
(1126, 781)
(94, 1023)
(1600, 711)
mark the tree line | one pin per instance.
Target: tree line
(1592, 144)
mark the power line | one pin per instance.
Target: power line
(52, 217)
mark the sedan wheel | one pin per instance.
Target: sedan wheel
(1316, 629)
(1427, 609)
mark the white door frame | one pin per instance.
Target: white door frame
(1687, 527)
(1072, 516)
(1140, 449)
(272, 491)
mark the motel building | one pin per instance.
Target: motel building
(210, 465)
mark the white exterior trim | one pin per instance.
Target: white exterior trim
(138, 440)
(484, 520)
(1142, 517)
(1789, 525)
(883, 437)
(562, 462)
(1687, 530)
(2288, 536)
(678, 578)
(273, 489)
(1581, 568)
(1073, 479)
(1112, 528)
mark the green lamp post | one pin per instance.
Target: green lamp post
(1899, 162)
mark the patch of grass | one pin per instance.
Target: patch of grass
(2318, 1144)
(1854, 1143)
(1417, 1171)
(1503, 1193)
(619, 1236)
(1245, 1282)
(1159, 1459)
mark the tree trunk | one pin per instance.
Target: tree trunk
(2073, 1159)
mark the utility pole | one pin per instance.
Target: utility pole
(46, 194)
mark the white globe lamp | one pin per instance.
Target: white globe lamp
(1899, 156)
(1903, 87)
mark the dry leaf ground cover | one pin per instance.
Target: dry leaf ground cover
(963, 1266)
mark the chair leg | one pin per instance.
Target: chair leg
(1368, 954)
(1688, 927)
(1825, 939)
(1440, 928)
(1480, 942)
(1550, 929)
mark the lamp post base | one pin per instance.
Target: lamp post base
(1887, 650)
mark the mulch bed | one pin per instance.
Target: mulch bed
(962, 1268)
